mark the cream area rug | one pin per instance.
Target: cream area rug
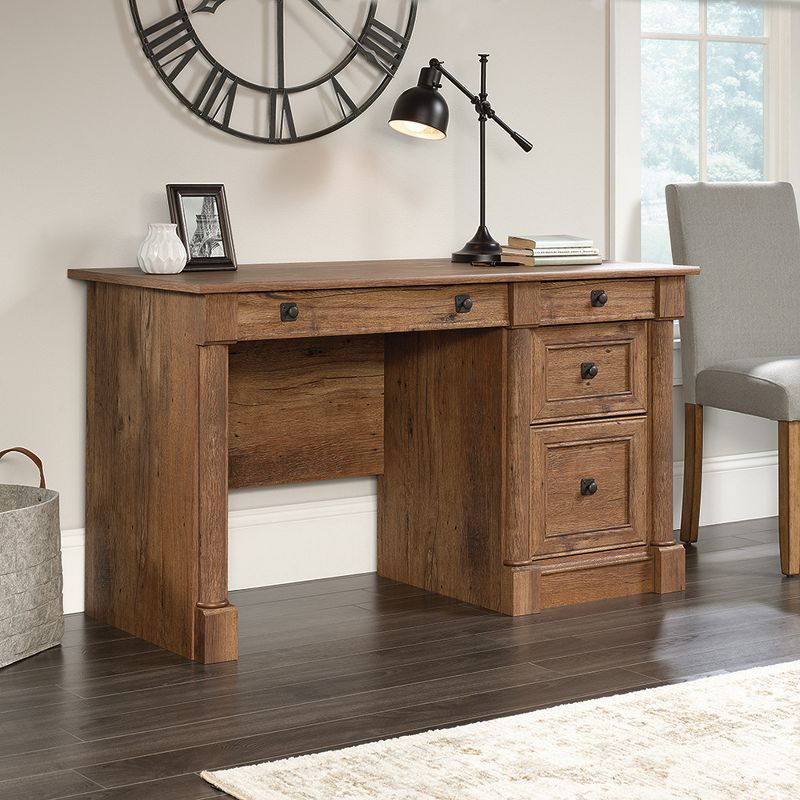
(721, 738)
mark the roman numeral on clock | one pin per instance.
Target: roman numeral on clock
(343, 99)
(279, 116)
(216, 97)
(386, 43)
(171, 44)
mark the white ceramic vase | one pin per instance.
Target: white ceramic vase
(162, 252)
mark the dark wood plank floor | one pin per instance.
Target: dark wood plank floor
(347, 660)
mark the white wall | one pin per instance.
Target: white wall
(90, 138)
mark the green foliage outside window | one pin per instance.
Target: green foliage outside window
(671, 118)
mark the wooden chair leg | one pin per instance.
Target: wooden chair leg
(789, 496)
(692, 471)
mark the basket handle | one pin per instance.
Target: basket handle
(33, 457)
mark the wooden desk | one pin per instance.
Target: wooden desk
(511, 475)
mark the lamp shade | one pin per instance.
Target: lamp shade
(422, 111)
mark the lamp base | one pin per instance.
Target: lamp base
(480, 249)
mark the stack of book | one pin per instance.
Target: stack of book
(548, 251)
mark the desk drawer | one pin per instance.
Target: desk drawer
(589, 370)
(286, 315)
(569, 302)
(589, 486)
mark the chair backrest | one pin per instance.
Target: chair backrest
(745, 303)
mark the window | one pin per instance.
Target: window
(704, 112)
(700, 90)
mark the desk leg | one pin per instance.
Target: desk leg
(156, 473)
(216, 637)
(669, 558)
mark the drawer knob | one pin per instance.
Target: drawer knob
(289, 312)
(599, 298)
(588, 486)
(463, 303)
(589, 370)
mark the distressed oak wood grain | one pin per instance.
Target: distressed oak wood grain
(440, 504)
(570, 302)
(612, 453)
(619, 353)
(588, 580)
(305, 410)
(670, 297)
(363, 274)
(479, 425)
(668, 556)
(346, 312)
(150, 389)
(518, 482)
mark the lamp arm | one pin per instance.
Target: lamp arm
(483, 107)
(439, 66)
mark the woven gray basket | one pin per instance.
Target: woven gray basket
(31, 604)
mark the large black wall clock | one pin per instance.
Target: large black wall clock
(275, 71)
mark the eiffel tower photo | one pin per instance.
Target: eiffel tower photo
(206, 242)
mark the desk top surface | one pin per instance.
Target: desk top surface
(364, 274)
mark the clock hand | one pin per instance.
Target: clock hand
(281, 41)
(209, 6)
(365, 50)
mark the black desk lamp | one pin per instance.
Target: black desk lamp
(423, 112)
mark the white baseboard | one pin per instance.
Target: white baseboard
(305, 541)
(302, 542)
(72, 548)
(677, 367)
(272, 545)
(734, 488)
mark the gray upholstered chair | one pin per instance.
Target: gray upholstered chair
(740, 340)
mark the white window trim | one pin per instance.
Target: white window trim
(624, 112)
(778, 97)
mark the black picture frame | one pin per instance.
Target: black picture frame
(176, 195)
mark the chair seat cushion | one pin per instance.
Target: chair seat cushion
(765, 387)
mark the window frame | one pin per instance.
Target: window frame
(624, 69)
